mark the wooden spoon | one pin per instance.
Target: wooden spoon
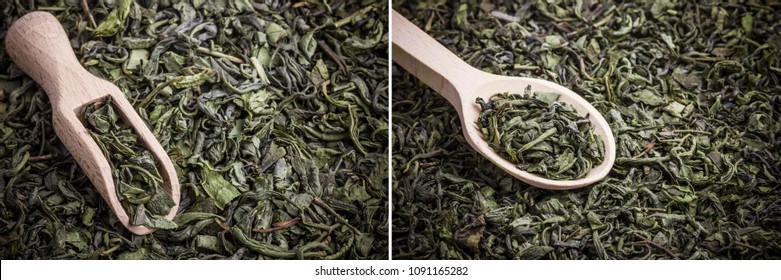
(461, 84)
(37, 43)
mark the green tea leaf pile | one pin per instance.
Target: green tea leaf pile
(274, 114)
(690, 89)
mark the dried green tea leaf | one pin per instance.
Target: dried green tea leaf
(275, 32)
(218, 188)
(115, 19)
(308, 44)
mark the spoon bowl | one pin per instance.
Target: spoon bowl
(493, 84)
(461, 84)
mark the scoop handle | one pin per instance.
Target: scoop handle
(38, 44)
(431, 62)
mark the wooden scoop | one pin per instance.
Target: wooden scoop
(461, 84)
(37, 43)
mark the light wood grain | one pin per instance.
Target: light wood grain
(461, 84)
(37, 43)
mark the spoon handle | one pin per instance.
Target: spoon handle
(37, 43)
(431, 62)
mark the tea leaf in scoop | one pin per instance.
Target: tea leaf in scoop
(540, 134)
(134, 169)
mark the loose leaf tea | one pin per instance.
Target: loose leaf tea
(540, 134)
(692, 92)
(138, 183)
(274, 114)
